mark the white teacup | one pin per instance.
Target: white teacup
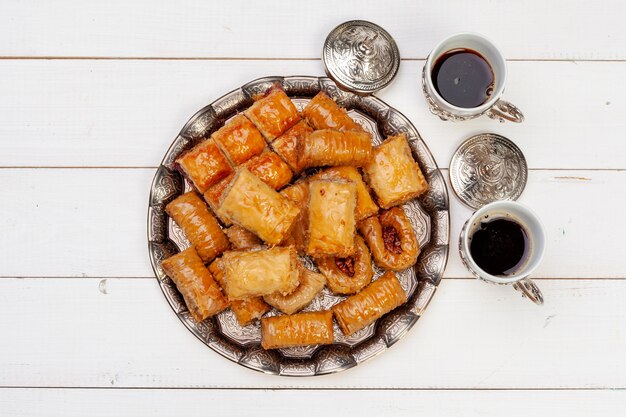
(494, 107)
(537, 244)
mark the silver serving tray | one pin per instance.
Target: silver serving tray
(429, 215)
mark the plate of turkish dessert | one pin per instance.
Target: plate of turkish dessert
(298, 229)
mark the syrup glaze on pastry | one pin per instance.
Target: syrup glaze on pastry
(374, 301)
(391, 239)
(256, 206)
(334, 148)
(273, 114)
(241, 238)
(302, 329)
(348, 275)
(365, 206)
(239, 140)
(287, 144)
(323, 113)
(268, 166)
(198, 225)
(299, 194)
(200, 292)
(204, 165)
(393, 174)
(260, 272)
(311, 283)
(246, 309)
(332, 223)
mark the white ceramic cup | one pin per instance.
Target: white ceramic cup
(537, 239)
(495, 107)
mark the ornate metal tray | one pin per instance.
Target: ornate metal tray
(429, 217)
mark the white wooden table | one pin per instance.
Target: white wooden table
(92, 94)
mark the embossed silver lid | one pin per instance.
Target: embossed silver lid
(361, 56)
(487, 168)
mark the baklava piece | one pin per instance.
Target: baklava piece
(365, 205)
(268, 166)
(246, 309)
(374, 301)
(348, 275)
(241, 238)
(200, 292)
(198, 225)
(393, 174)
(254, 205)
(239, 140)
(332, 223)
(260, 272)
(334, 148)
(298, 193)
(311, 283)
(287, 144)
(323, 113)
(273, 114)
(204, 165)
(314, 328)
(391, 239)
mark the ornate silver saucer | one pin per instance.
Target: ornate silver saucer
(487, 168)
(429, 216)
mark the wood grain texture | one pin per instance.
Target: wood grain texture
(122, 333)
(126, 113)
(194, 403)
(279, 28)
(92, 222)
(130, 74)
(89, 222)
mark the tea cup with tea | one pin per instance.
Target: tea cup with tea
(503, 243)
(464, 77)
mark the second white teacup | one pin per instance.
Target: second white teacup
(532, 227)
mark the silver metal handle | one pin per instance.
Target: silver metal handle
(503, 110)
(530, 290)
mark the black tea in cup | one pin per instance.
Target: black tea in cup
(500, 246)
(463, 78)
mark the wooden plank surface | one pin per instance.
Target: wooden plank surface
(192, 403)
(91, 222)
(524, 30)
(86, 328)
(126, 113)
(122, 333)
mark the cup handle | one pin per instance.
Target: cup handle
(529, 289)
(503, 110)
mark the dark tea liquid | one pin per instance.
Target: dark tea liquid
(463, 78)
(500, 246)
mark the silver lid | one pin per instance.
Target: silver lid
(487, 168)
(360, 56)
